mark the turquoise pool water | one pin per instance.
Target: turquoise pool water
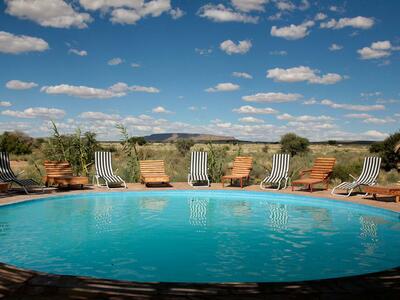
(199, 236)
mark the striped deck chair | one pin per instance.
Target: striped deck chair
(198, 168)
(103, 166)
(279, 172)
(7, 174)
(369, 174)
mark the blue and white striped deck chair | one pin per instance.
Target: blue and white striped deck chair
(279, 172)
(369, 174)
(7, 175)
(103, 166)
(198, 168)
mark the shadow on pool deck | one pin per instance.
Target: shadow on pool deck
(16, 283)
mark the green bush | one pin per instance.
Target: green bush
(16, 143)
(216, 162)
(184, 145)
(387, 150)
(294, 144)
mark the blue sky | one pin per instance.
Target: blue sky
(253, 69)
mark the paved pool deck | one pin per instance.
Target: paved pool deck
(16, 283)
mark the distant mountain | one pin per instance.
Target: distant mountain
(197, 137)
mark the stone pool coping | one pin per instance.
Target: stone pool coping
(16, 283)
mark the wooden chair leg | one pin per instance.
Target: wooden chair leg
(241, 183)
(311, 190)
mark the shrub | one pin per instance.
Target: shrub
(387, 150)
(216, 161)
(332, 142)
(16, 143)
(294, 144)
(265, 148)
(184, 145)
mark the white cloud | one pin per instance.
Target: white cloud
(248, 109)
(48, 13)
(176, 13)
(335, 47)
(356, 22)
(5, 103)
(203, 51)
(304, 118)
(15, 44)
(117, 90)
(251, 120)
(223, 87)
(131, 11)
(230, 47)
(374, 134)
(292, 32)
(96, 115)
(310, 102)
(379, 121)
(358, 116)
(285, 5)
(115, 61)
(320, 16)
(302, 73)
(272, 97)
(135, 65)
(78, 52)
(370, 94)
(242, 75)
(357, 107)
(36, 112)
(160, 110)
(249, 5)
(20, 85)
(278, 52)
(377, 50)
(220, 13)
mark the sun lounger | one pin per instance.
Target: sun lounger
(368, 176)
(153, 172)
(59, 173)
(320, 173)
(104, 170)
(240, 170)
(279, 172)
(7, 175)
(198, 168)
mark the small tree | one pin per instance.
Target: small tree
(332, 142)
(216, 160)
(294, 144)
(184, 145)
(16, 143)
(387, 150)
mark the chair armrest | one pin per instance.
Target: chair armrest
(304, 171)
(352, 177)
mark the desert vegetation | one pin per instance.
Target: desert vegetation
(28, 154)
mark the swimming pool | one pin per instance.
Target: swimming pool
(199, 236)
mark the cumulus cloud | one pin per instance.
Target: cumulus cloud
(357, 107)
(20, 85)
(5, 103)
(249, 5)
(375, 134)
(230, 47)
(292, 32)
(377, 50)
(203, 51)
(223, 87)
(117, 90)
(160, 110)
(320, 16)
(115, 61)
(242, 75)
(304, 118)
(302, 73)
(36, 112)
(135, 65)
(78, 52)
(16, 44)
(250, 120)
(131, 11)
(48, 13)
(220, 13)
(358, 116)
(335, 47)
(248, 109)
(272, 97)
(356, 22)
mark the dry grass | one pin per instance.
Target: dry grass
(349, 160)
